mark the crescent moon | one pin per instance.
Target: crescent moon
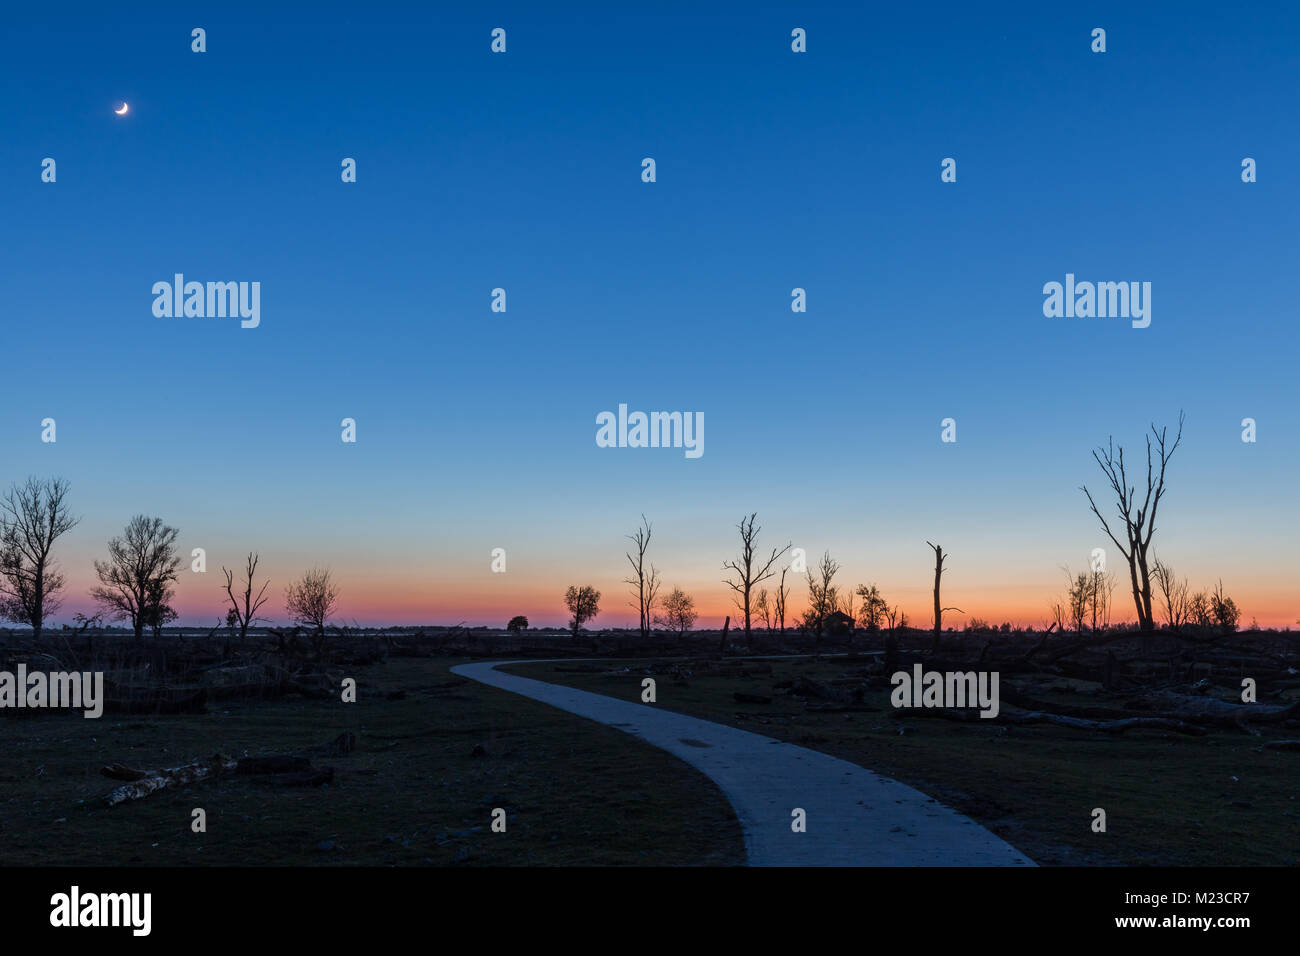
(122, 111)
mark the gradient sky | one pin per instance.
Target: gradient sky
(775, 170)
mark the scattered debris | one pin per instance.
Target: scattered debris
(145, 782)
(1281, 745)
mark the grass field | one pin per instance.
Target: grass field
(1169, 799)
(412, 793)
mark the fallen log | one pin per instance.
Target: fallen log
(742, 698)
(943, 713)
(1106, 726)
(155, 780)
(116, 771)
(1210, 710)
(1281, 745)
(1006, 717)
(1009, 695)
(841, 709)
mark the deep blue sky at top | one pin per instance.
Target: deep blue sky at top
(775, 170)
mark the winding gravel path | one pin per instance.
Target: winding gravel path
(854, 817)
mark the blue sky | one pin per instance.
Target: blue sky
(775, 170)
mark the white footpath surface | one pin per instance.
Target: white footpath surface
(855, 817)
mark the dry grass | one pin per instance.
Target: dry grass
(412, 793)
(1169, 799)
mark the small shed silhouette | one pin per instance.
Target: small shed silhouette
(838, 624)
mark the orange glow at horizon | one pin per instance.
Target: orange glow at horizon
(544, 607)
(377, 597)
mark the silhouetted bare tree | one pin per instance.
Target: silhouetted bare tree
(764, 608)
(1200, 610)
(679, 611)
(823, 595)
(1078, 590)
(159, 611)
(844, 604)
(135, 581)
(1139, 520)
(645, 581)
(244, 607)
(874, 610)
(32, 517)
(1224, 609)
(750, 569)
(938, 608)
(1176, 594)
(893, 618)
(1101, 588)
(782, 595)
(583, 603)
(312, 599)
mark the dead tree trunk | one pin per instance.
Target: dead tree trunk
(938, 611)
(1139, 518)
(749, 569)
(938, 607)
(646, 583)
